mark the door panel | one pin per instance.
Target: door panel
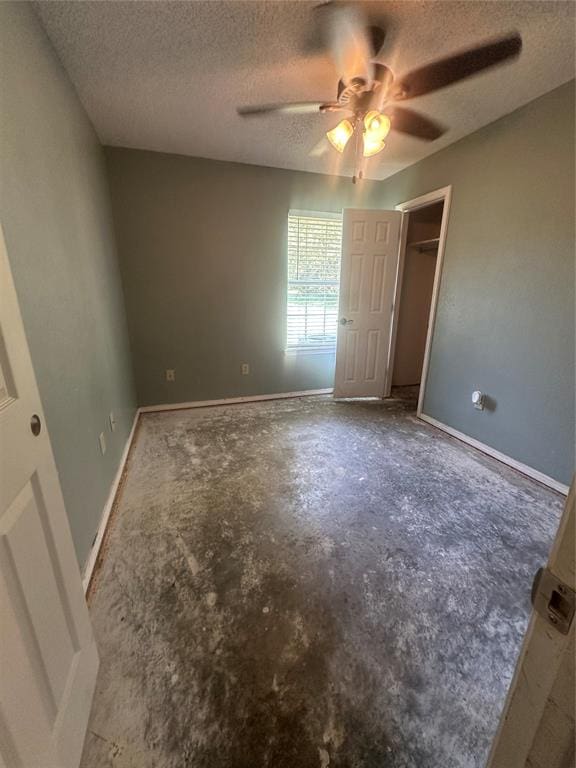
(39, 594)
(370, 249)
(48, 659)
(378, 283)
(372, 357)
(351, 355)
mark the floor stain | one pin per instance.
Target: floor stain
(310, 584)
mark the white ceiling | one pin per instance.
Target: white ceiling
(168, 76)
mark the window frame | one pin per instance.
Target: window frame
(308, 349)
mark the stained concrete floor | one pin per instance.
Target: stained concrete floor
(306, 583)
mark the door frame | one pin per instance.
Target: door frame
(444, 194)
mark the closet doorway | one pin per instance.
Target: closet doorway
(424, 228)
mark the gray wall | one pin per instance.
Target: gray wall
(203, 255)
(55, 215)
(505, 323)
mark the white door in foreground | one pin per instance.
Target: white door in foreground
(48, 658)
(370, 251)
(537, 724)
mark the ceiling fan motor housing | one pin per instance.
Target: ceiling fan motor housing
(361, 95)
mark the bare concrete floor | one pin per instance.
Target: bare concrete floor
(305, 583)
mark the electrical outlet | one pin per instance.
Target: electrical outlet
(170, 374)
(112, 421)
(102, 441)
(245, 369)
(478, 400)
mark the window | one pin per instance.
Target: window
(314, 244)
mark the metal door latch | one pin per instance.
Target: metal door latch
(553, 600)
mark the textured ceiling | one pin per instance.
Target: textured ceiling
(168, 76)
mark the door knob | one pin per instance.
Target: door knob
(35, 425)
(344, 321)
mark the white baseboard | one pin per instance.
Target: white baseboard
(524, 468)
(93, 556)
(232, 400)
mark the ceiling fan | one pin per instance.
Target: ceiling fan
(367, 89)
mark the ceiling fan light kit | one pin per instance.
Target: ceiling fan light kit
(366, 86)
(374, 126)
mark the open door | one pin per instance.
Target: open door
(48, 658)
(370, 250)
(537, 724)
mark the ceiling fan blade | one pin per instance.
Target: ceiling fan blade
(349, 38)
(294, 108)
(383, 81)
(321, 148)
(439, 74)
(414, 124)
(381, 73)
(376, 35)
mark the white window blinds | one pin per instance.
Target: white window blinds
(314, 244)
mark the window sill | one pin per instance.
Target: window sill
(310, 351)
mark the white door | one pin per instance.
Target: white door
(370, 251)
(537, 724)
(48, 658)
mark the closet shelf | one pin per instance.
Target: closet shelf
(425, 245)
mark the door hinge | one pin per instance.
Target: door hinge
(553, 600)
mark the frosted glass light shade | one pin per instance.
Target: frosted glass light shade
(340, 135)
(376, 128)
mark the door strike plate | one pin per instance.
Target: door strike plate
(553, 600)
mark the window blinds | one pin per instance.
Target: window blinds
(314, 245)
